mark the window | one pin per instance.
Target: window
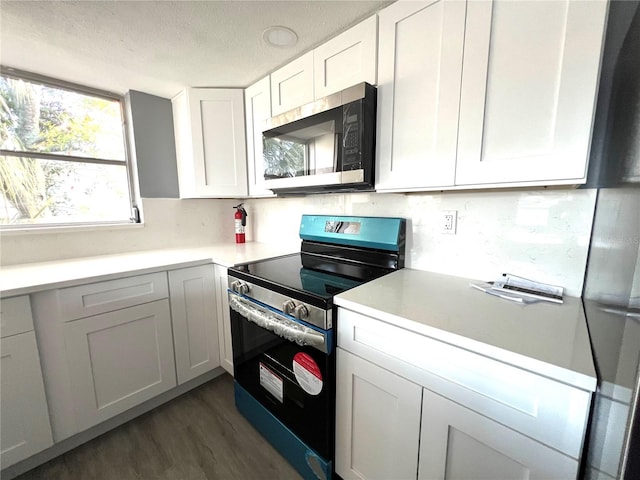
(62, 154)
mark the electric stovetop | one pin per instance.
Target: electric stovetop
(304, 274)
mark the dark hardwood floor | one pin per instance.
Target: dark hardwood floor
(198, 436)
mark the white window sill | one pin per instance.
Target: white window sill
(47, 230)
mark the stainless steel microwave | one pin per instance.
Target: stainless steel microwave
(324, 146)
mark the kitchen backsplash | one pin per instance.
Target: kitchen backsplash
(168, 223)
(540, 234)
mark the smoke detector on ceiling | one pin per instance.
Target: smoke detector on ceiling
(281, 37)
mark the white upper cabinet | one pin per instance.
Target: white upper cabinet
(419, 69)
(529, 84)
(292, 85)
(486, 93)
(257, 103)
(347, 59)
(342, 62)
(210, 142)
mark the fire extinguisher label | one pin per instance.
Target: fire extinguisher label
(239, 226)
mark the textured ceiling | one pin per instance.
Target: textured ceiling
(160, 47)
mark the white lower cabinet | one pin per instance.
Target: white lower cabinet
(112, 354)
(93, 351)
(194, 318)
(389, 427)
(24, 417)
(411, 406)
(118, 360)
(458, 443)
(224, 319)
(124, 342)
(377, 421)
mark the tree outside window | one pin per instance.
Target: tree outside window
(62, 156)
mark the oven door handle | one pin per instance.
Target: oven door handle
(278, 324)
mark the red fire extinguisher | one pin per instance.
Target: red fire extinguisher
(241, 221)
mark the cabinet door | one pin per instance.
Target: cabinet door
(458, 443)
(15, 316)
(23, 407)
(224, 319)
(347, 59)
(257, 103)
(194, 320)
(292, 85)
(377, 421)
(118, 360)
(529, 83)
(210, 142)
(419, 69)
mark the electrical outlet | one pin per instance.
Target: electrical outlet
(449, 221)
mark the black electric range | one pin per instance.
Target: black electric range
(282, 323)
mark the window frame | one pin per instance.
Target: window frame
(134, 198)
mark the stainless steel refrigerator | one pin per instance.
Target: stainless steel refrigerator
(611, 292)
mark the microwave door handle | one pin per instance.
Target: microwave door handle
(283, 327)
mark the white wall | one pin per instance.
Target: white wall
(168, 223)
(539, 234)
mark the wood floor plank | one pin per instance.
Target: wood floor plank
(198, 436)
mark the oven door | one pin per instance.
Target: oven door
(288, 367)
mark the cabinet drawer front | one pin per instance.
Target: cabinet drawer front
(549, 411)
(94, 298)
(15, 316)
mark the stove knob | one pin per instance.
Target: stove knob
(288, 307)
(240, 287)
(301, 312)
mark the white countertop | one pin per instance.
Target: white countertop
(545, 338)
(33, 277)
